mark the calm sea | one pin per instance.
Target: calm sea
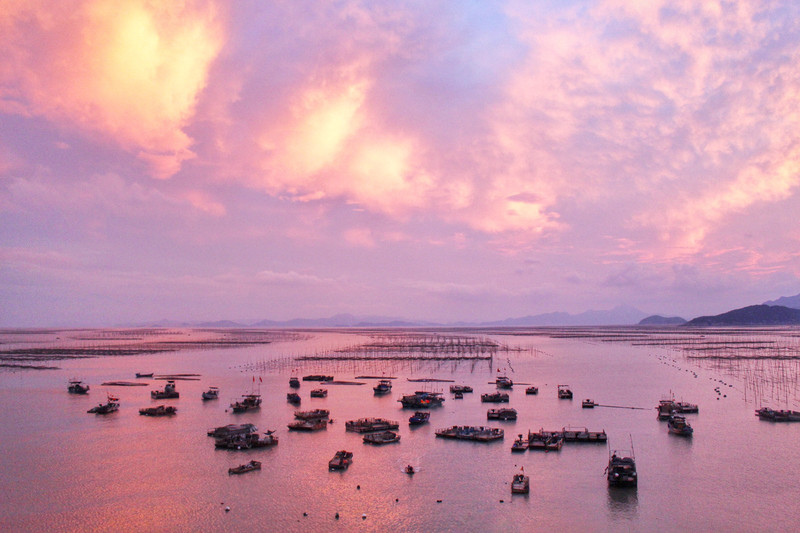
(65, 470)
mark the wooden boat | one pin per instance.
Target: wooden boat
(294, 382)
(621, 469)
(422, 399)
(571, 434)
(410, 470)
(476, 433)
(460, 388)
(503, 382)
(384, 437)
(317, 377)
(104, 408)
(211, 394)
(143, 375)
(231, 429)
(677, 425)
(248, 402)
(293, 397)
(665, 408)
(246, 441)
(341, 460)
(686, 408)
(420, 417)
(312, 415)
(161, 410)
(520, 444)
(168, 393)
(564, 392)
(503, 413)
(384, 386)
(588, 404)
(520, 483)
(77, 387)
(370, 425)
(319, 393)
(545, 440)
(494, 397)
(532, 390)
(772, 415)
(247, 467)
(458, 395)
(311, 424)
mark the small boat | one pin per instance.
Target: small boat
(104, 408)
(532, 390)
(311, 424)
(548, 441)
(772, 415)
(370, 425)
(588, 404)
(460, 388)
(161, 410)
(294, 382)
(319, 393)
(143, 375)
(409, 469)
(677, 425)
(312, 415)
(503, 382)
(476, 433)
(341, 460)
(232, 429)
(384, 386)
(564, 392)
(503, 413)
(293, 397)
(169, 392)
(520, 444)
(317, 377)
(665, 408)
(248, 402)
(419, 417)
(246, 441)
(520, 483)
(211, 394)
(247, 467)
(458, 395)
(422, 399)
(494, 397)
(77, 387)
(621, 469)
(384, 437)
(686, 407)
(582, 434)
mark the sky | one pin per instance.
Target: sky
(443, 161)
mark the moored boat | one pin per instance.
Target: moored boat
(384, 386)
(548, 441)
(143, 375)
(312, 415)
(476, 433)
(246, 441)
(211, 394)
(311, 424)
(231, 429)
(588, 404)
(571, 434)
(370, 425)
(161, 410)
(460, 388)
(503, 413)
(168, 393)
(564, 392)
(294, 382)
(248, 402)
(77, 387)
(317, 377)
(503, 382)
(520, 444)
(293, 397)
(383, 437)
(494, 397)
(621, 469)
(247, 467)
(104, 408)
(420, 417)
(409, 469)
(772, 415)
(677, 425)
(422, 399)
(458, 395)
(686, 408)
(520, 483)
(532, 390)
(341, 460)
(319, 393)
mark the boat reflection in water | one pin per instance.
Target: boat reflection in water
(623, 503)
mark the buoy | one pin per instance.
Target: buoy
(364, 516)
(228, 509)
(337, 516)
(438, 501)
(502, 501)
(358, 487)
(397, 499)
(305, 514)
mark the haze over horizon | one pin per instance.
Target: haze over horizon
(210, 160)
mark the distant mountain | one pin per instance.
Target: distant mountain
(792, 302)
(658, 320)
(753, 315)
(618, 316)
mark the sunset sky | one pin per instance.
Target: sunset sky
(423, 160)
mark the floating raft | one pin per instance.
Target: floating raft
(123, 384)
(431, 380)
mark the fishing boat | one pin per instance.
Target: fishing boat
(143, 375)
(520, 444)
(211, 394)
(588, 404)
(460, 388)
(312, 415)
(503, 382)
(77, 387)
(548, 441)
(564, 392)
(247, 467)
(422, 399)
(294, 382)
(383, 437)
(418, 418)
(168, 393)
(476, 433)
(248, 402)
(246, 441)
(621, 469)
(532, 390)
(677, 425)
(341, 460)
(231, 429)
(582, 434)
(503, 413)
(409, 469)
(384, 386)
(317, 377)
(370, 425)
(311, 424)
(319, 393)
(686, 408)
(161, 410)
(520, 483)
(104, 408)
(494, 397)
(458, 395)
(293, 397)
(772, 415)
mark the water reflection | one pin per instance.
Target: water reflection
(623, 503)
